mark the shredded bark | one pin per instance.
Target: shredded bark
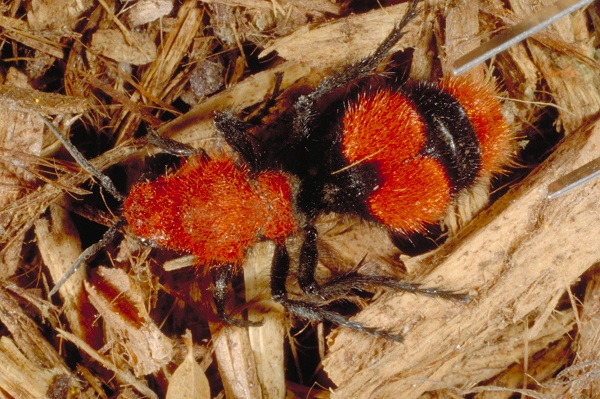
(140, 322)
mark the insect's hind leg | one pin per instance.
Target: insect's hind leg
(343, 285)
(311, 306)
(346, 283)
(312, 311)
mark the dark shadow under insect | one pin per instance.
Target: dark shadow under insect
(236, 205)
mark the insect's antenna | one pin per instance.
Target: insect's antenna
(108, 185)
(90, 251)
(104, 180)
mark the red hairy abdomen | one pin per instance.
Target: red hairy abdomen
(212, 209)
(386, 129)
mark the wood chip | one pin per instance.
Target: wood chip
(60, 246)
(516, 272)
(136, 49)
(235, 359)
(343, 41)
(56, 14)
(267, 340)
(127, 323)
(31, 100)
(145, 11)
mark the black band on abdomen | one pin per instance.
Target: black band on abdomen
(450, 136)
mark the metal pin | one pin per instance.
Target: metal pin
(517, 33)
(574, 179)
(521, 31)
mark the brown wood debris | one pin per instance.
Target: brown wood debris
(134, 324)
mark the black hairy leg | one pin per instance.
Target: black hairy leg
(313, 311)
(305, 105)
(235, 131)
(311, 306)
(343, 285)
(171, 146)
(88, 253)
(265, 109)
(222, 291)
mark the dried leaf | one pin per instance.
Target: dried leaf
(188, 381)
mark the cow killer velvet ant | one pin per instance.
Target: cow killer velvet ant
(395, 156)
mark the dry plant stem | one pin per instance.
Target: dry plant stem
(59, 245)
(25, 210)
(124, 376)
(155, 84)
(235, 359)
(520, 255)
(267, 340)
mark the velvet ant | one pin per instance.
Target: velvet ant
(395, 156)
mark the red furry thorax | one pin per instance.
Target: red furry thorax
(212, 209)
